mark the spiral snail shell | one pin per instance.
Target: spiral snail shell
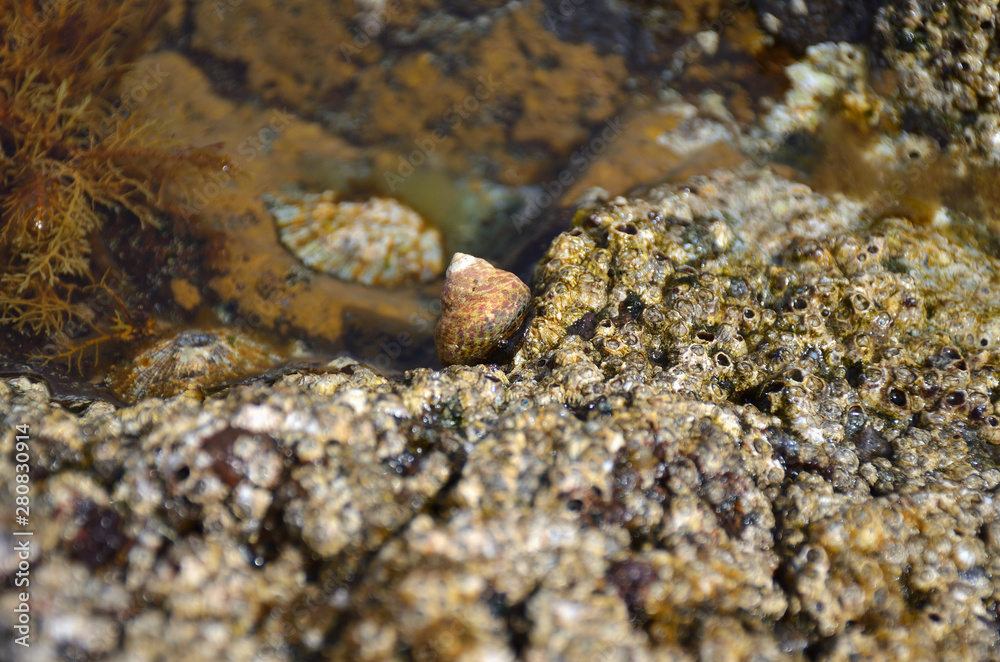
(481, 308)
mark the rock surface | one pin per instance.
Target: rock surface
(746, 422)
(801, 24)
(943, 57)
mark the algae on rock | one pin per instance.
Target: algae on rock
(72, 155)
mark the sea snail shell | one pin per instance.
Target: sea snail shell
(481, 307)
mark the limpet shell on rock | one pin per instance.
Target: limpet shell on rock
(481, 307)
(378, 242)
(192, 358)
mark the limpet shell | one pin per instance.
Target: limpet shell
(481, 307)
(192, 358)
(378, 242)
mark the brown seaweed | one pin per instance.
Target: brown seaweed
(72, 153)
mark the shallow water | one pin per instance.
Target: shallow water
(486, 119)
(489, 119)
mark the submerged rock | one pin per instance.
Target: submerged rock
(804, 23)
(746, 421)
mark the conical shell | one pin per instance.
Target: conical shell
(481, 306)
(192, 358)
(379, 242)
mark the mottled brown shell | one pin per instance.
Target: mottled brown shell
(192, 358)
(481, 306)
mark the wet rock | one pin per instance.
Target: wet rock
(829, 72)
(481, 88)
(611, 27)
(747, 420)
(803, 23)
(944, 56)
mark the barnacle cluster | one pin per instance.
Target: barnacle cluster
(944, 56)
(860, 356)
(845, 327)
(72, 154)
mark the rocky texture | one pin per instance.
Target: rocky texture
(829, 82)
(803, 23)
(927, 68)
(498, 91)
(485, 88)
(647, 34)
(655, 144)
(942, 57)
(747, 422)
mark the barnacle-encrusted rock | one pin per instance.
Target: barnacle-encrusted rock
(747, 422)
(761, 292)
(868, 348)
(945, 58)
(378, 242)
(481, 307)
(826, 72)
(191, 358)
